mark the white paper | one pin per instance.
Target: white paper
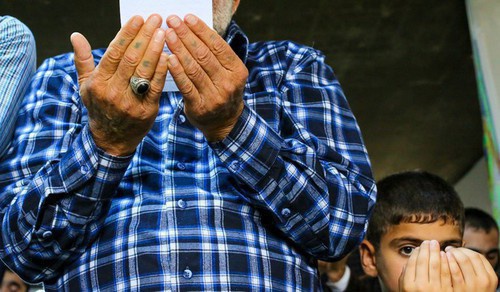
(165, 8)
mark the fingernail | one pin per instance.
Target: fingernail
(155, 20)
(163, 58)
(434, 243)
(159, 35)
(137, 21)
(172, 60)
(191, 19)
(174, 21)
(448, 248)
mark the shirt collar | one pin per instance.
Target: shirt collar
(238, 41)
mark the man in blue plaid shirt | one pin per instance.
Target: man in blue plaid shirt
(240, 181)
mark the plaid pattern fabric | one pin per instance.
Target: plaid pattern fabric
(291, 183)
(17, 65)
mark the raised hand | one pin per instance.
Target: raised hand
(119, 119)
(209, 75)
(426, 270)
(470, 271)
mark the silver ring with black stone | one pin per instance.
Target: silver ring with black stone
(140, 86)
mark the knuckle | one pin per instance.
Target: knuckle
(229, 87)
(147, 32)
(203, 56)
(194, 72)
(131, 59)
(141, 72)
(187, 88)
(219, 46)
(113, 53)
(182, 31)
(129, 32)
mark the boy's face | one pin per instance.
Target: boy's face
(485, 243)
(397, 244)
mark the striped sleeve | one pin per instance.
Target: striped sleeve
(17, 65)
(313, 175)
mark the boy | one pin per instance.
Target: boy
(418, 215)
(481, 234)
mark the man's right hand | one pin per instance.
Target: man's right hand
(118, 118)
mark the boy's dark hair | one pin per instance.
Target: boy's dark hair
(413, 197)
(478, 219)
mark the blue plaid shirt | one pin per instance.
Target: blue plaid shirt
(290, 184)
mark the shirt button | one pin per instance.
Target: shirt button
(187, 273)
(24, 182)
(234, 166)
(182, 204)
(182, 119)
(286, 212)
(84, 169)
(47, 234)
(300, 151)
(181, 166)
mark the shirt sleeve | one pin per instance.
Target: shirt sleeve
(312, 172)
(17, 65)
(55, 184)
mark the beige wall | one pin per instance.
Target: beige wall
(473, 187)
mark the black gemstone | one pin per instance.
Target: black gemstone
(142, 88)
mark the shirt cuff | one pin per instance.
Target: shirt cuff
(86, 162)
(250, 149)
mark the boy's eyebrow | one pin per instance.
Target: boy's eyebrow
(397, 241)
(417, 241)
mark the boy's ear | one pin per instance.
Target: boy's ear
(368, 261)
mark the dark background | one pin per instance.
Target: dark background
(405, 66)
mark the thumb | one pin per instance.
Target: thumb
(84, 61)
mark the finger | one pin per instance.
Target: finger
(434, 263)
(217, 45)
(445, 271)
(481, 266)
(489, 269)
(457, 278)
(411, 266)
(147, 66)
(401, 281)
(410, 269)
(158, 80)
(422, 271)
(84, 61)
(196, 48)
(191, 68)
(186, 87)
(465, 263)
(114, 53)
(137, 48)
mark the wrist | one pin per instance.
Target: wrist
(220, 132)
(111, 146)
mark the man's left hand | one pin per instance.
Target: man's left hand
(208, 73)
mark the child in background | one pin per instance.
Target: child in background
(414, 239)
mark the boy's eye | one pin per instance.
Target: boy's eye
(492, 255)
(406, 250)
